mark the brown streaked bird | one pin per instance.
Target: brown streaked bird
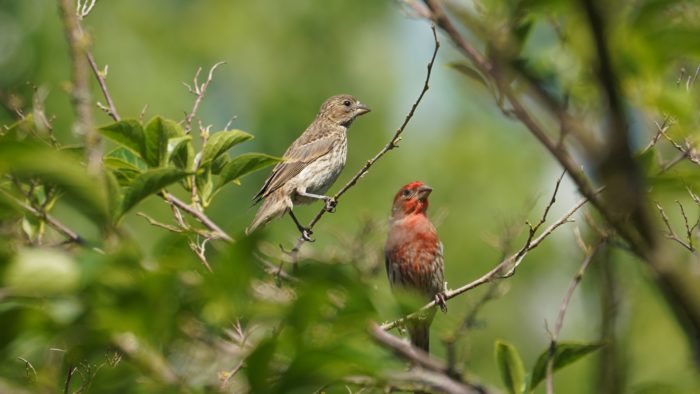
(311, 164)
(413, 256)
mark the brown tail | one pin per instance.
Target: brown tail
(272, 207)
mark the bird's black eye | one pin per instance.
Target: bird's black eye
(406, 193)
(347, 103)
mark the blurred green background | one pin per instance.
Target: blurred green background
(283, 59)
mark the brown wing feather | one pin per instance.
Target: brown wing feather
(306, 149)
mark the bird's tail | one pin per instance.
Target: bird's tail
(419, 331)
(274, 206)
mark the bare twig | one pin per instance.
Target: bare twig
(156, 223)
(200, 216)
(199, 91)
(660, 130)
(562, 312)
(69, 376)
(84, 7)
(406, 350)
(393, 143)
(199, 250)
(28, 366)
(670, 234)
(50, 220)
(512, 261)
(101, 76)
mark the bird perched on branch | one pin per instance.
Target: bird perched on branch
(413, 255)
(311, 164)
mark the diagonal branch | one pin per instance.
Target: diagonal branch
(50, 220)
(111, 109)
(424, 362)
(513, 261)
(392, 144)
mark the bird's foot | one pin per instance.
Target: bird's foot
(306, 234)
(331, 203)
(441, 301)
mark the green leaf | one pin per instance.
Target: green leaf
(157, 133)
(128, 133)
(511, 367)
(63, 170)
(221, 142)
(218, 164)
(243, 165)
(564, 354)
(150, 182)
(125, 165)
(114, 193)
(205, 187)
(127, 156)
(177, 151)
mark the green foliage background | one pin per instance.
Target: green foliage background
(149, 293)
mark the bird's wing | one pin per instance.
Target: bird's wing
(298, 156)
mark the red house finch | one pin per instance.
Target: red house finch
(311, 164)
(413, 255)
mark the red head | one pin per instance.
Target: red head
(411, 199)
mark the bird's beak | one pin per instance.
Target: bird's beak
(424, 191)
(361, 109)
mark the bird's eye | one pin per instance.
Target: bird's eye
(347, 103)
(406, 193)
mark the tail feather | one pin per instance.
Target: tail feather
(272, 207)
(419, 331)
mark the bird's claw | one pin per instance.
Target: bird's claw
(330, 205)
(306, 234)
(441, 301)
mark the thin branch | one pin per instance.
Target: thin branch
(512, 261)
(422, 360)
(231, 374)
(84, 7)
(200, 216)
(406, 350)
(156, 223)
(199, 250)
(199, 91)
(78, 44)
(562, 312)
(670, 234)
(69, 376)
(50, 220)
(28, 366)
(393, 143)
(660, 130)
(101, 75)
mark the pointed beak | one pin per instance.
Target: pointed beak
(424, 191)
(361, 109)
